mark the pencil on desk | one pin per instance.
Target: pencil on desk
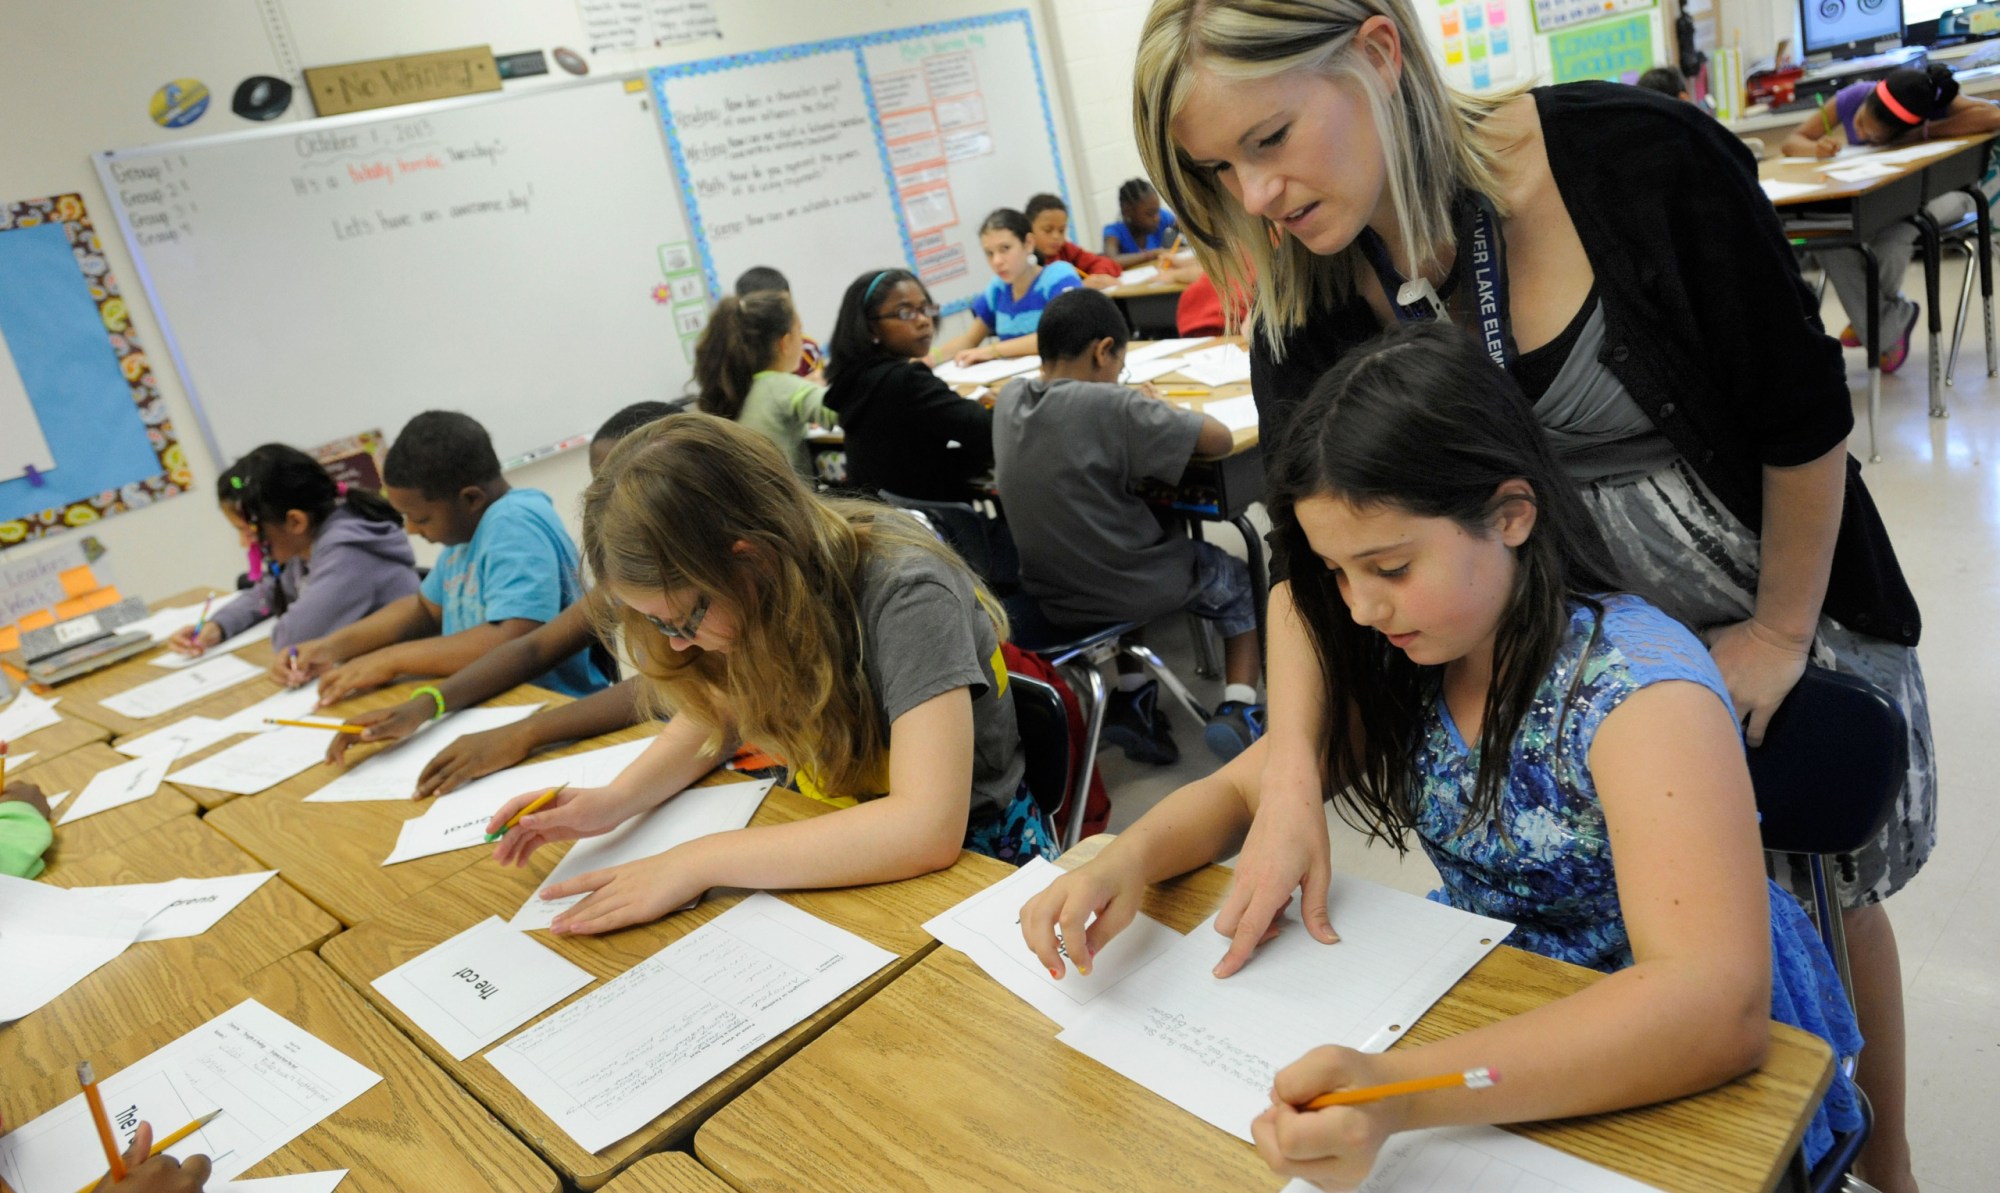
(1187, 393)
(355, 729)
(1470, 1079)
(87, 1078)
(537, 806)
(170, 1140)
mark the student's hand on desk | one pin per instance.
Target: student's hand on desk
(1333, 1148)
(160, 1174)
(26, 793)
(356, 676)
(973, 356)
(1760, 667)
(1286, 850)
(1101, 281)
(186, 641)
(471, 756)
(1103, 888)
(382, 725)
(298, 666)
(634, 893)
(575, 812)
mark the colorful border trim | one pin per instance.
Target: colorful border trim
(174, 477)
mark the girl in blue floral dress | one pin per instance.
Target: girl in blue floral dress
(1566, 754)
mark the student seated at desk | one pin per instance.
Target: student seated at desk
(25, 829)
(746, 368)
(509, 666)
(1048, 235)
(334, 555)
(837, 634)
(1145, 231)
(906, 432)
(1565, 752)
(759, 279)
(508, 567)
(1909, 101)
(1068, 447)
(1012, 304)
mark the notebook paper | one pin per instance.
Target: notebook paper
(1481, 1160)
(469, 991)
(1212, 1045)
(610, 1062)
(171, 691)
(392, 773)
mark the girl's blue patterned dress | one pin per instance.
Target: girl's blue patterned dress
(1551, 873)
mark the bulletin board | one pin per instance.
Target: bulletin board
(74, 361)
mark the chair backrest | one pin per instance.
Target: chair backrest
(1044, 739)
(1834, 757)
(962, 528)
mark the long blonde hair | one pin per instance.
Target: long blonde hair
(665, 513)
(1427, 132)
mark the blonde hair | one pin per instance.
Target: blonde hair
(1427, 132)
(665, 514)
(738, 343)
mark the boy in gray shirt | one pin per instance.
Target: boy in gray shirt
(1068, 447)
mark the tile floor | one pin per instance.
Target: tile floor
(1938, 486)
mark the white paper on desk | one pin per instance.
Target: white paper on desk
(260, 632)
(177, 688)
(14, 759)
(1139, 275)
(187, 906)
(392, 773)
(50, 940)
(1915, 153)
(458, 820)
(1155, 349)
(1861, 171)
(1481, 1160)
(177, 740)
(1778, 190)
(302, 1182)
(1238, 413)
(27, 713)
(272, 1080)
(488, 980)
(162, 625)
(987, 928)
(260, 763)
(1212, 1045)
(608, 1063)
(696, 812)
(114, 787)
(986, 372)
(1150, 370)
(1224, 364)
(289, 705)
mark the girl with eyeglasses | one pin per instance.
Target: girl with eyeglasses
(907, 432)
(839, 635)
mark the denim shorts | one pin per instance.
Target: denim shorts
(1222, 592)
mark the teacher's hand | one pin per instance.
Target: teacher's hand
(1760, 666)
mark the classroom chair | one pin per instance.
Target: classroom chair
(982, 541)
(1080, 653)
(1045, 744)
(1964, 236)
(1826, 777)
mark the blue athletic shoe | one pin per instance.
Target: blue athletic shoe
(1134, 723)
(1233, 727)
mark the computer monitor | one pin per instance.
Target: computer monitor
(1849, 28)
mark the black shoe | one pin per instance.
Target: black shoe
(1133, 722)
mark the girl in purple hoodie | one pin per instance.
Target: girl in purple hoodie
(333, 555)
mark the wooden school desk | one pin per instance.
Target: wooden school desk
(1837, 216)
(82, 840)
(82, 696)
(414, 1130)
(147, 982)
(1151, 307)
(53, 742)
(667, 1172)
(333, 852)
(947, 1081)
(890, 915)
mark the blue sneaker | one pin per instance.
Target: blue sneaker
(1232, 727)
(1134, 723)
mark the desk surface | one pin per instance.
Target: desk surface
(333, 852)
(668, 1172)
(53, 742)
(413, 1130)
(82, 840)
(890, 915)
(966, 1086)
(1147, 289)
(81, 696)
(148, 982)
(1810, 171)
(1245, 438)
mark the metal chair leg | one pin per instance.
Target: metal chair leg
(1172, 682)
(1092, 684)
(1964, 309)
(1207, 656)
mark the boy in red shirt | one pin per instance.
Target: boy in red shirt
(1048, 221)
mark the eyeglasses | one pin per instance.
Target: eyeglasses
(910, 314)
(684, 632)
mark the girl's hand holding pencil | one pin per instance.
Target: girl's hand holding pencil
(194, 640)
(147, 1173)
(1333, 1108)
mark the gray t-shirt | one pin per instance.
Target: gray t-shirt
(923, 634)
(1066, 455)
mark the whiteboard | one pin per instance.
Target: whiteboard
(522, 258)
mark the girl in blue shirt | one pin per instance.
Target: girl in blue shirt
(1011, 307)
(1145, 230)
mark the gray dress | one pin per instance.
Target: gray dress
(1681, 548)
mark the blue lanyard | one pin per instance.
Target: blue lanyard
(1481, 254)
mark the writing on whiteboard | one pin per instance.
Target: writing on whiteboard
(773, 152)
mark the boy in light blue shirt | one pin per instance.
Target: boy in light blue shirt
(508, 567)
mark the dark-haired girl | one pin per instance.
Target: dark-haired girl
(907, 432)
(1144, 230)
(1011, 306)
(1882, 112)
(332, 555)
(1566, 754)
(746, 368)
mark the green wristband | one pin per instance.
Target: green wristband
(434, 694)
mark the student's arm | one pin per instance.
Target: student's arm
(330, 602)
(411, 617)
(918, 827)
(969, 338)
(1692, 1011)
(148, 1173)
(1216, 440)
(231, 618)
(1026, 345)
(1966, 117)
(809, 404)
(424, 656)
(1819, 135)
(477, 754)
(1089, 263)
(508, 666)
(942, 413)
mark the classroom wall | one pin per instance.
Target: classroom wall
(1095, 43)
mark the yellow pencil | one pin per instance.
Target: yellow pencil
(355, 729)
(1470, 1079)
(3, 765)
(1187, 393)
(169, 1141)
(537, 806)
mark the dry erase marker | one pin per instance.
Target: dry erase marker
(537, 806)
(87, 1078)
(1470, 1079)
(356, 729)
(170, 1140)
